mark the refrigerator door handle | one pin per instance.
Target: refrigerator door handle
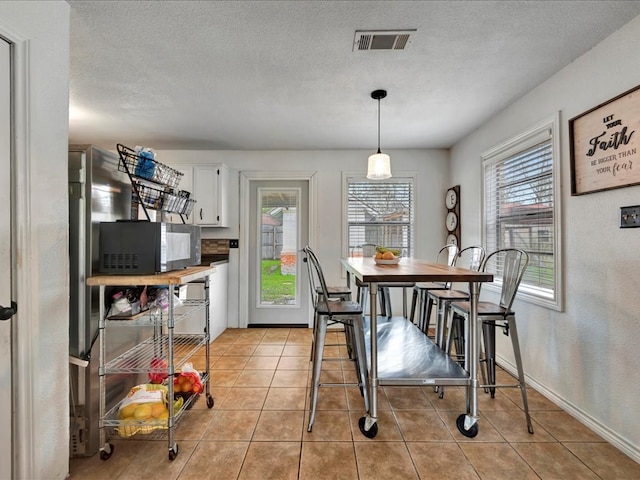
(7, 312)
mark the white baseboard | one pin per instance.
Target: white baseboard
(633, 451)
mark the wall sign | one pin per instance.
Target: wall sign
(605, 145)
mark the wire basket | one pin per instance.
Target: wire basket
(169, 202)
(188, 207)
(151, 197)
(178, 202)
(147, 168)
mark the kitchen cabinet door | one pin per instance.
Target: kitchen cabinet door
(218, 306)
(210, 190)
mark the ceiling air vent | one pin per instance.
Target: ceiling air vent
(381, 39)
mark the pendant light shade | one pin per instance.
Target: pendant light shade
(379, 167)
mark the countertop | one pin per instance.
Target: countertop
(214, 259)
(175, 277)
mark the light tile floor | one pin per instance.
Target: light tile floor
(257, 428)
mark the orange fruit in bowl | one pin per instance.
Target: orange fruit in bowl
(388, 256)
(379, 255)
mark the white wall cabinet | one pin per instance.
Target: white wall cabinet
(210, 192)
(208, 185)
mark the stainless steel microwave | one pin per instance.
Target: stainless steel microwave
(142, 247)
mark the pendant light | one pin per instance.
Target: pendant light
(379, 163)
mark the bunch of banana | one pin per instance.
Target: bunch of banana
(395, 251)
(384, 253)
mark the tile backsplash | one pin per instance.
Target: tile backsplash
(212, 246)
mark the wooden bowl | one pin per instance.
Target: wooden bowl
(382, 261)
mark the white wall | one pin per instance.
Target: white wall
(41, 30)
(431, 166)
(586, 358)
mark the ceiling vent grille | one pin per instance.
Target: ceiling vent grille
(381, 39)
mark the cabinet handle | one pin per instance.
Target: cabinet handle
(200, 214)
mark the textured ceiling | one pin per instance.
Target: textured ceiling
(283, 75)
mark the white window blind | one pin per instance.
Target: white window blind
(379, 213)
(519, 208)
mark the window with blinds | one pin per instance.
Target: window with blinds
(520, 208)
(379, 213)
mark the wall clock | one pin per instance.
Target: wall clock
(451, 199)
(452, 220)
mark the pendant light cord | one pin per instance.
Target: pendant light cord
(379, 125)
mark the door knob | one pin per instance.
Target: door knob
(7, 312)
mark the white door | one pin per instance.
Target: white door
(278, 230)
(5, 262)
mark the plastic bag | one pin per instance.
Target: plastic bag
(141, 409)
(157, 370)
(188, 381)
(161, 299)
(146, 165)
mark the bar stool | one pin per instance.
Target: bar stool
(340, 292)
(447, 255)
(470, 258)
(510, 264)
(328, 312)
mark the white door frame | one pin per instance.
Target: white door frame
(6, 261)
(25, 357)
(246, 178)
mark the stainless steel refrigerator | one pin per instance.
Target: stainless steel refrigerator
(98, 192)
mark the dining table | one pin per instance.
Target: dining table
(399, 353)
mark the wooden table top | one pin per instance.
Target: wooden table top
(174, 277)
(411, 270)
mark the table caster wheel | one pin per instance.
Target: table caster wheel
(472, 432)
(371, 432)
(173, 452)
(107, 451)
(209, 401)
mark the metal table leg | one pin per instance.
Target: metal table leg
(369, 423)
(468, 423)
(106, 450)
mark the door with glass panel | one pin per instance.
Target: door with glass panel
(278, 230)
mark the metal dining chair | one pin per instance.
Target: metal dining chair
(328, 312)
(447, 256)
(470, 258)
(340, 292)
(509, 264)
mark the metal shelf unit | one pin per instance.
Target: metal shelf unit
(174, 349)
